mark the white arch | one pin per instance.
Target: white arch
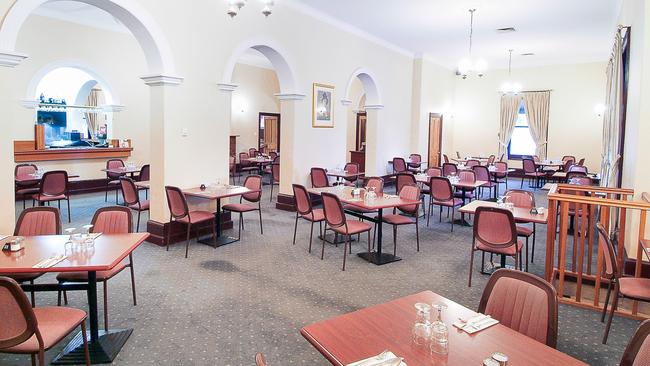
(369, 81)
(150, 37)
(274, 53)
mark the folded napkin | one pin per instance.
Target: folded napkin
(476, 323)
(386, 358)
(49, 262)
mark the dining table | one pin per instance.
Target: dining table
(217, 193)
(377, 204)
(34, 178)
(344, 174)
(106, 252)
(260, 161)
(124, 170)
(144, 184)
(464, 186)
(367, 332)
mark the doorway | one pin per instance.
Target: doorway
(360, 144)
(269, 132)
(435, 139)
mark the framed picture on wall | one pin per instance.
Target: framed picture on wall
(323, 106)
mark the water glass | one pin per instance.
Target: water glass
(439, 333)
(422, 326)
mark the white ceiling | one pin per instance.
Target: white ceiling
(76, 12)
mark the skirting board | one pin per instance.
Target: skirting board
(178, 232)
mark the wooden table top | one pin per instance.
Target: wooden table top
(556, 163)
(368, 332)
(343, 174)
(26, 178)
(122, 170)
(143, 184)
(260, 160)
(214, 193)
(345, 195)
(563, 175)
(109, 251)
(522, 214)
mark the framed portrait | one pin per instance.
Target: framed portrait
(323, 106)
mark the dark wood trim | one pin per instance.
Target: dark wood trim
(286, 202)
(259, 128)
(623, 107)
(365, 128)
(434, 115)
(71, 154)
(158, 230)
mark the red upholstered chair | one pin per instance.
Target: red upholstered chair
(525, 200)
(637, 352)
(26, 189)
(35, 221)
(449, 169)
(305, 210)
(578, 168)
(275, 178)
(373, 182)
(472, 163)
(252, 182)
(252, 152)
(132, 199)
(415, 163)
(107, 220)
(482, 173)
(566, 158)
(319, 178)
(335, 218)
(412, 193)
(442, 195)
(494, 232)
(491, 159)
(466, 176)
(581, 162)
(406, 179)
(501, 174)
(54, 187)
(522, 302)
(567, 165)
(445, 158)
(530, 172)
(434, 172)
(578, 178)
(112, 179)
(244, 164)
(260, 360)
(351, 168)
(232, 168)
(399, 165)
(623, 287)
(179, 212)
(144, 176)
(273, 155)
(33, 331)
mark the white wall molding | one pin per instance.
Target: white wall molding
(113, 108)
(162, 80)
(373, 106)
(29, 103)
(346, 102)
(11, 59)
(290, 96)
(227, 87)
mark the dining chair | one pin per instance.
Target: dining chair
(34, 221)
(351, 168)
(449, 169)
(179, 212)
(578, 168)
(260, 360)
(495, 232)
(376, 183)
(335, 218)
(526, 200)
(566, 158)
(472, 163)
(107, 221)
(32, 331)
(399, 165)
(232, 169)
(622, 287)
(275, 178)
(25, 189)
(578, 178)
(305, 211)
(581, 162)
(252, 152)
(407, 179)
(244, 164)
(273, 155)
(567, 165)
(132, 198)
(254, 183)
(491, 159)
(434, 172)
(481, 172)
(54, 187)
(410, 193)
(468, 177)
(500, 174)
(530, 172)
(442, 195)
(319, 178)
(445, 158)
(637, 352)
(144, 176)
(112, 179)
(524, 303)
(415, 163)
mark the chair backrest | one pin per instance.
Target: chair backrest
(333, 210)
(275, 172)
(303, 202)
(481, 172)
(449, 169)
(578, 168)
(581, 162)
(491, 159)
(440, 189)
(523, 302)
(520, 198)
(399, 165)
(273, 155)
(528, 165)
(129, 191)
(445, 158)
(472, 163)
(38, 221)
(578, 178)
(535, 158)
(434, 172)
(495, 227)
(566, 158)
(253, 182)
(145, 173)
(232, 163)
(54, 183)
(112, 220)
(18, 319)
(176, 202)
(243, 159)
(114, 164)
(351, 168)
(467, 176)
(637, 352)
(24, 169)
(403, 179)
(252, 152)
(610, 265)
(260, 360)
(415, 159)
(377, 183)
(319, 178)
(458, 155)
(411, 193)
(568, 164)
(501, 166)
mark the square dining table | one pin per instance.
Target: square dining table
(378, 205)
(367, 332)
(342, 174)
(106, 253)
(35, 178)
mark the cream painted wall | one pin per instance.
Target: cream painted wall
(356, 94)
(254, 94)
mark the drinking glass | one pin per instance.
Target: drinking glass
(439, 332)
(422, 326)
(88, 238)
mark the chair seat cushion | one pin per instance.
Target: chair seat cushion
(315, 216)
(113, 182)
(358, 209)
(239, 207)
(535, 174)
(26, 191)
(83, 276)
(54, 323)
(398, 220)
(468, 194)
(449, 203)
(636, 288)
(43, 198)
(524, 231)
(144, 205)
(511, 250)
(196, 217)
(22, 277)
(353, 227)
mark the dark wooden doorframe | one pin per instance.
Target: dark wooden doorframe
(260, 131)
(431, 116)
(356, 141)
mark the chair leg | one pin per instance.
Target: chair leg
(187, 243)
(241, 224)
(106, 305)
(611, 314)
(345, 249)
(261, 227)
(522, 183)
(471, 266)
(58, 298)
(295, 229)
(41, 357)
(33, 355)
(453, 213)
(322, 251)
(417, 234)
(394, 239)
(32, 295)
(69, 219)
(65, 297)
(311, 235)
(135, 302)
(85, 340)
(526, 254)
(169, 236)
(532, 254)
(609, 291)
(106, 192)
(369, 241)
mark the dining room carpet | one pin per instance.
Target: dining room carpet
(220, 306)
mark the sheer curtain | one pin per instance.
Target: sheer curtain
(91, 117)
(509, 111)
(537, 112)
(611, 123)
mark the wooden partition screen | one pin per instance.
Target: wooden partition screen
(575, 266)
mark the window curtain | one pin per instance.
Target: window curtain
(509, 111)
(271, 134)
(537, 112)
(611, 123)
(91, 117)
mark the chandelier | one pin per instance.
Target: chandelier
(236, 5)
(510, 87)
(468, 65)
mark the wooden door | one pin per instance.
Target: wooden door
(269, 132)
(435, 139)
(361, 131)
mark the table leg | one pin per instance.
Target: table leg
(379, 257)
(221, 239)
(462, 221)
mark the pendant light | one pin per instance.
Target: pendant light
(510, 87)
(468, 65)
(236, 5)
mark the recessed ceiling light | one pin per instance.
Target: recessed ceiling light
(506, 30)
(528, 54)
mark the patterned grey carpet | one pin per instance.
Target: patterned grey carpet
(222, 305)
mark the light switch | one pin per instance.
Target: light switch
(184, 132)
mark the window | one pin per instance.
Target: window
(521, 143)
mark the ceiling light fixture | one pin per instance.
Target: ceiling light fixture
(467, 65)
(510, 87)
(236, 5)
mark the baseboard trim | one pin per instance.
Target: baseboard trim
(158, 231)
